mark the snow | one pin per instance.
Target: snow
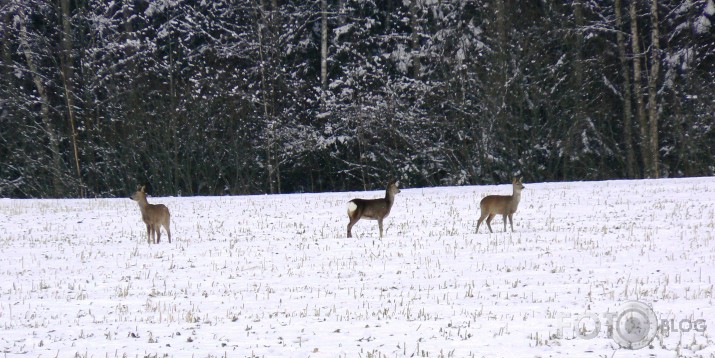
(702, 25)
(342, 30)
(710, 8)
(275, 275)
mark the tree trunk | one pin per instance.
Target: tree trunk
(682, 164)
(577, 85)
(500, 79)
(268, 118)
(637, 91)
(653, 91)
(173, 129)
(416, 65)
(627, 104)
(324, 44)
(58, 187)
(6, 44)
(67, 78)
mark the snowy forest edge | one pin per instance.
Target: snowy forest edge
(237, 97)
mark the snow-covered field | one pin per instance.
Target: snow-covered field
(275, 275)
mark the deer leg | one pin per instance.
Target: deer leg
(168, 231)
(157, 230)
(350, 226)
(481, 218)
(379, 224)
(511, 222)
(489, 222)
(148, 234)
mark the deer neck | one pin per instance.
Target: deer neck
(389, 198)
(143, 204)
(516, 196)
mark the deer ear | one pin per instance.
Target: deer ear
(521, 180)
(397, 183)
(143, 188)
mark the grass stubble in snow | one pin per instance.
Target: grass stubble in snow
(275, 275)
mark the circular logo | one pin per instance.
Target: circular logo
(635, 326)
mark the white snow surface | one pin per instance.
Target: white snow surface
(275, 275)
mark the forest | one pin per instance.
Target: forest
(228, 97)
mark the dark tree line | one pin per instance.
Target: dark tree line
(268, 96)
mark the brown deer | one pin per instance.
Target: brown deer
(372, 209)
(501, 204)
(153, 215)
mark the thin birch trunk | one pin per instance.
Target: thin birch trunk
(638, 92)
(67, 78)
(416, 64)
(58, 187)
(653, 91)
(324, 44)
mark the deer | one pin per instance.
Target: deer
(504, 205)
(153, 215)
(372, 209)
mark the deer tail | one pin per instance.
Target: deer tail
(351, 207)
